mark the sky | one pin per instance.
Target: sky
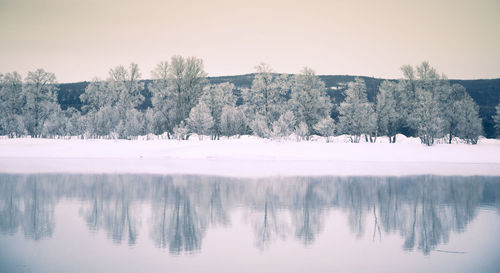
(82, 39)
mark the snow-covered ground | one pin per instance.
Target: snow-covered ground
(248, 156)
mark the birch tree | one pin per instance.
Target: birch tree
(233, 121)
(496, 119)
(426, 117)
(268, 94)
(357, 116)
(308, 99)
(285, 125)
(216, 97)
(389, 110)
(471, 126)
(126, 84)
(460, 115)
(40, 93)
(326, 127)
(12, 102)
(428, 96)
(200, 121)
(109, 103)
(163, 99)
(186, 79)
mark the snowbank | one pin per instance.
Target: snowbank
(248, 156)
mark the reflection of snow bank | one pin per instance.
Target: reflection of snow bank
(250, 156)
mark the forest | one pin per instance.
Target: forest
(180, 100)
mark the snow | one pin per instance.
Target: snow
(248, 156)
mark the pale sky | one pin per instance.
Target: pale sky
(82, 39)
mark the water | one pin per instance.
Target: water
(147, 223)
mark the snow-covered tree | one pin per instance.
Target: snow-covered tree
(216, 97)
(268, 94)
(388, 110)
(460, 115)
(40, 93)
(181, 131)
(126, 83)
(259, 126)
(308, 99)
(357, 116)
(326, 127)
(496, 119)
(133, 125)
(233, 121)
(56, 124)
(103, 122)
(117, 97)
(186, 80)
(426, 117)
(200, 121)
(163, 98)
(97, 95)
(301, 131)
(422, 77)
(428, 97)
(150, 124)
(471, 126)
(285, 125)
(11, 104)
(76, 124)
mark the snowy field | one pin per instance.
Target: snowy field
(248, 156)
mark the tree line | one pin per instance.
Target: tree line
(422, 103)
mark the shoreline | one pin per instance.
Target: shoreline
(248, 157)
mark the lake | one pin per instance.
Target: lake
(181, 223)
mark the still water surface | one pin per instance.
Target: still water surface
(149, 223)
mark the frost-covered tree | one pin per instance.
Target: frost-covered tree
(39, 91)
(326, 127)
(259, 126)
(12, 102)
(186, 80)
(428, 97)
(126, 84)
(426, 117)
(268, 95)
(285, 125)
(389, 110)
(200, 121)
(110, 103)
(181, 131)
(216, 97)
(56, 124)
(301, 131)
(233, 121)
(470, 127)
(133, 125)
(422, 77)
(150, 123)
(308, 99)
(97, 95)
(496, 119)
(103, 122)
(163, 99)
(76, 124)
(460, 115)
(357, 116)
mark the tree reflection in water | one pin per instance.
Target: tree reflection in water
(423, 210)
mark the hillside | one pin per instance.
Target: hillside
(486, 93)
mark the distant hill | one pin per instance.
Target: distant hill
(486, 93)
